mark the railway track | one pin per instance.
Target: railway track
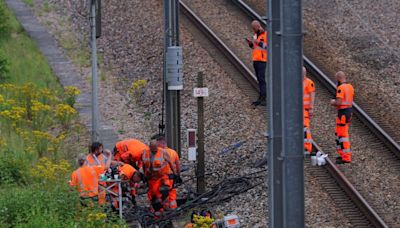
(358, 210)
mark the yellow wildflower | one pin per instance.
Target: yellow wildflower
(47, 170)
(39, 106)
(71, 91)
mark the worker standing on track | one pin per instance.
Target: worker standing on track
(157, 168)
(96, 157)
(176, 178)
(130, 151)
(308, 106)
(86, 179)
(259, 46)
(344, 105)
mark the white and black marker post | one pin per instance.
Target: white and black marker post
(200, 92)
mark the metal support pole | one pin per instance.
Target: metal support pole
(120, 198)
(95, 103)
(275, 117)
(201, 184)
(173, 124)
(292, 110)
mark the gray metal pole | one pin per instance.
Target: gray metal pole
(201, 184)
(292, 107)
(275, 166)
(95, 103)
(173, 124)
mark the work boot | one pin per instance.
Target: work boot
(260, 101)
(339, 161)
(263, 102)
(257, 102)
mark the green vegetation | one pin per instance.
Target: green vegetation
(37, 120)
(29, 2)
(46, 6)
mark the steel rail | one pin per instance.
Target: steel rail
(240, 66)
(350, 190)
(382, 135)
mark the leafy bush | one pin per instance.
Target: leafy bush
(3, 67)
(12, 171)
(36, 206)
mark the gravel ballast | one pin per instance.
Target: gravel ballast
(127, 38)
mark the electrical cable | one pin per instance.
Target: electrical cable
(219, 193)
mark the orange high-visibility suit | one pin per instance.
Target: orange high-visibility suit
(94, 160)
(174, 160)
(345, 92)
(126, 172)
(130, 151)
(86, 180)
(260, 48)
(308, 89)
(100, 160)
(157, 169)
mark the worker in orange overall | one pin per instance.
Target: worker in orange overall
(86, 179)
(175, 163)
(259, 57)
(130, 151)
(344, 105)
(308, 109)
(96, 157)
(157, 168)
(129, 176)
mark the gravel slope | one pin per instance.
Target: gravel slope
(373, 170)
(361, 38)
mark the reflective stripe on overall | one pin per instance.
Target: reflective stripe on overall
(94, 188)
(343, 146)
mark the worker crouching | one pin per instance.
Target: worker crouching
(130, 151)
(344, 106)
(130, 177)
(158, 168)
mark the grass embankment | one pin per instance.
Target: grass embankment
(38, 128)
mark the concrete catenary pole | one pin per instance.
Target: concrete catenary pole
(292, 110)
(172, 74)
(95, 103)
(274, 84)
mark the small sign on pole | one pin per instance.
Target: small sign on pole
(200, 92)
(192, 144)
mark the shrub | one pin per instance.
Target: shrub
(35, 206)
(65, 114)
(12, 171)
(71, 92)
(3, 67)
(137, 90)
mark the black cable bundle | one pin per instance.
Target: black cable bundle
(219, 193)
